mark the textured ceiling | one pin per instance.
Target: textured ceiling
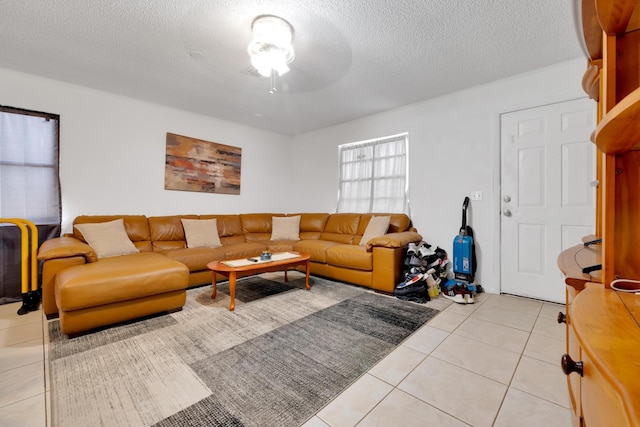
(353, 57)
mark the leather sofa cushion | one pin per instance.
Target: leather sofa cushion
(398, 223)
(341, 227)
(317, 249)
(232, 240)
(117, 279)
(65, 247)
(279, 245)
(311, 224)
(228, 226)
(167, 231)
(243, 250)
(136, 226)
(350, 256)
(196, 259)
(257, 226)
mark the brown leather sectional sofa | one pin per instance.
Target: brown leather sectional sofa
(88, 292)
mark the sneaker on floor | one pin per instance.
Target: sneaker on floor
(415, 290)
(455, 294)
(412, 249)
(468, 298)
(410, 281)
(424, 252)
(467, 295)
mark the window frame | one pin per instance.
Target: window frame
(374, 143)
(55, 166)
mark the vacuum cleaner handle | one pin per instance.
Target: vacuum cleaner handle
(465, 205)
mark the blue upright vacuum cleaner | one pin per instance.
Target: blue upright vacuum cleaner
(464, 250)
(462, 287)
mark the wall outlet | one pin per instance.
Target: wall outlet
(476, 195)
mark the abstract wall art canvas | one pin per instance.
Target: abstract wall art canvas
(197, 165)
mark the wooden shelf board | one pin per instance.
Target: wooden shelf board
(571, 262)
(589, 238)
(614, 16)
(619, 129)
(634, 20)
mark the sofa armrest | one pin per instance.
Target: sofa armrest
(394, 240)
(65, 247)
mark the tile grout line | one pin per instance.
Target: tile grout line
(45, 360)
(509, 387)
(524, 348)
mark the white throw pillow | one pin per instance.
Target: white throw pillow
(107, 239)
(201, 233)
(378, 226)
(285, 227)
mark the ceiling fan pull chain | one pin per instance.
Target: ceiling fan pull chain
(272, 79)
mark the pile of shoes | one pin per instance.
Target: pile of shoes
(424, 270)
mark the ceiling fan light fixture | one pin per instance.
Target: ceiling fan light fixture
(269, 60)
(270, 49)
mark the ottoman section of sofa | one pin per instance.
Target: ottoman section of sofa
(117, 289)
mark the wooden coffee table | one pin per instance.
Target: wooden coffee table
(234, 269)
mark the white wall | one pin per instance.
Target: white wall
(112, 152)
(454, 150)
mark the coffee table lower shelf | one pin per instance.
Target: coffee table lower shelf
(234, 273)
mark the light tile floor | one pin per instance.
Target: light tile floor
(492, 363)
(24, 388)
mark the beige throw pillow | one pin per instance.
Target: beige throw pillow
(285, 227)
(107, 239)
(201, 233)
(378, 226)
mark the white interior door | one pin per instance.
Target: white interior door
(547, 196)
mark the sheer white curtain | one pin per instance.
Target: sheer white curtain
(29, 185)
(374, 175)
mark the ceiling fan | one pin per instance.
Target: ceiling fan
(221, 44)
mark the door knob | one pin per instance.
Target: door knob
(562, 318)
(569, 365)
(507, 212)
(507, 199)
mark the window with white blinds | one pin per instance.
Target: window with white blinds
(374, 175)
(29, 180)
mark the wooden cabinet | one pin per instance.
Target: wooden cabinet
(603, 325)
(604, 337)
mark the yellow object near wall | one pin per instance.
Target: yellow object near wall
(29, 248)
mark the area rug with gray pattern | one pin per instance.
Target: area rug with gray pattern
(282, 355)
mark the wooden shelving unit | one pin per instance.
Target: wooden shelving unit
(603, 333)
(619, 130)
